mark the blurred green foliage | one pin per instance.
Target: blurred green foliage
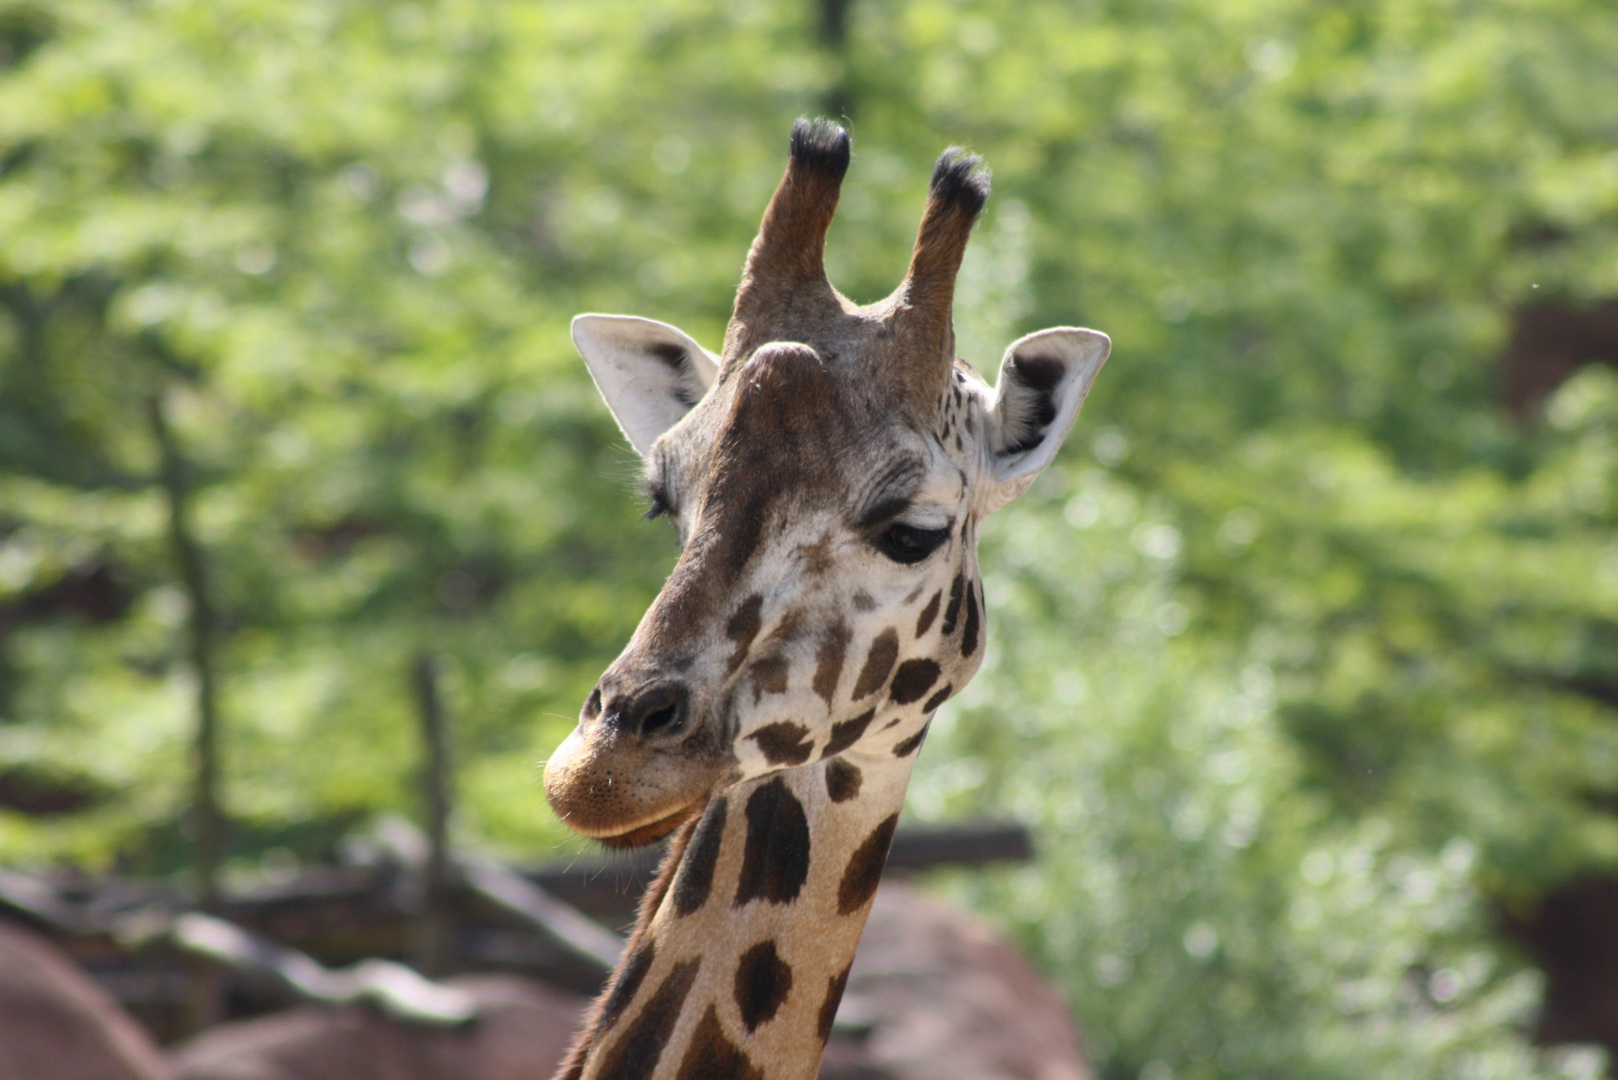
(1300, 650)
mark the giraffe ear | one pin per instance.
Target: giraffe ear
(1043, 380)
(650, 373)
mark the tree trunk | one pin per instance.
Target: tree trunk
(205, 998)
(839, 99)
(432, 943)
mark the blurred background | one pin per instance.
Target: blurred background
(1303, 660)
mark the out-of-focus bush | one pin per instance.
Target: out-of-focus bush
(1301, 655)
(1261, 851)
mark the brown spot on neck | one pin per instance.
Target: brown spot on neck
(712, 1056)
(912, 744)
(953, 611)
(879, 661)
(914, 678)
(924, 621)
(829, 661)
(634, 1056)
(784, 743)
(843, 780)
(743, 628)
(763, 981)
(863, 601)
(863, 873)
(789, 629)
(631, 973)
(847, 733)
(694, 880)
(769, 676)
(775, 859)
(595, 1024)
(834, 997)
(969, 628)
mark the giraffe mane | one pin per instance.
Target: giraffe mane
(584, 1038)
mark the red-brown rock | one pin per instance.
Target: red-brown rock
(56, 1024)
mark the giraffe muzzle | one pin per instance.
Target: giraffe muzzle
(638, 765)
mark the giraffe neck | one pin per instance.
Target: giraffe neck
(739, 959)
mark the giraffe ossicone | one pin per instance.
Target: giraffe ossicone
(827, 472)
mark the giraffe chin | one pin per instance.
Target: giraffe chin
(588, 783)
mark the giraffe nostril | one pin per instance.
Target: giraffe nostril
(659, 712)
(655, 722)
(592, 704)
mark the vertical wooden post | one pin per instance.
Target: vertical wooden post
(432, 937)
(205, 998)
(839, 100)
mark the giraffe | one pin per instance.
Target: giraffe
(826, 472)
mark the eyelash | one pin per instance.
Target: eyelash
(908, 545)
(904, 544)
(661, 505)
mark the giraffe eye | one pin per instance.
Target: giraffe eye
(661, 505)
(907, 544)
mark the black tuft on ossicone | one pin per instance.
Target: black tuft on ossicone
(821, 145)
(961, 179)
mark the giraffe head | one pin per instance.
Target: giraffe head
(827, 473)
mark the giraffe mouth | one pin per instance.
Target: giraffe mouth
(627, 795)
(652, 831)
